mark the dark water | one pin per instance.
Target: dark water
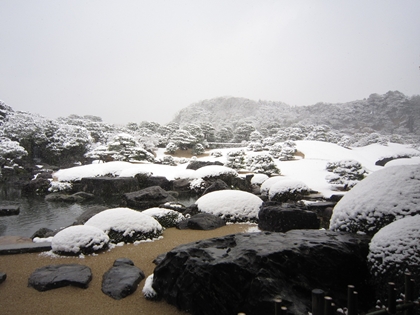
(36, 213)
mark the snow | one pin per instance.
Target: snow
(124, 220)
(397, 244)
(214, 171)
(74, 238)
(404, 161)
(230, 204)
(385, 195)
(162, 212)
(258, 179)
(266, 185)
(148, 291)
(287, 186)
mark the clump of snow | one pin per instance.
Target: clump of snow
(396, 247)
(266, 185)
(56, 186)
(383, 197)
(42, 239)
(148, 291)
(166, 217)
(124, 224)
(288, 189)
(214, 171)
(258, 179)
(231, 205)
(79, 239)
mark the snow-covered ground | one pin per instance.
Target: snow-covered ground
(309, 169)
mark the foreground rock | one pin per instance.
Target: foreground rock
(147, 198)
(57, 276)
(245, 272)
(202, 221)
(286, 217)
(122, 279)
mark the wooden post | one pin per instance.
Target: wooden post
(283, 310)
(317, 302)
(408, 292)
(351, 302)
(328, 306)
(277, 306)
(392, 298)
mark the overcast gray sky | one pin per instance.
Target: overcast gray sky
(133, 60)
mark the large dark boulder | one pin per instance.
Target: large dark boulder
(245, 272)
(108, 186)
(218, 184)
(57, 276)
(121, 279)
(202, 221)
(182, 185)
(147, 198)
(286, 217)
(90, 212)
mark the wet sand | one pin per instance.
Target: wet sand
(17, 298)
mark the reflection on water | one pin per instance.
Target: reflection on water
(36, 213)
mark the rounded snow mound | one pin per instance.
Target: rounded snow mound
(266, 185)
(126, 225)
(381, 198)
(394, 250)
(79, 239)
(215, 171)
(231, 205)
(258, 179)
(288, 189)
(166, 217)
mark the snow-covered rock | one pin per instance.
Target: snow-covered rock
(288, 189)
(383, 197)
(258, 179)
(215, 171)
(231, 205)
(127, 225)
(148, 291)
(79, 239)
(166, 217)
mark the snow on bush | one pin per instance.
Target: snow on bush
(236, 159)
(258, 179)
(167, 218)
(394, 250)
(127, 225)
(262, 163)
(288, 189)
(79, 239)
(381, 198)
(231, 205)
(148, 291)
(346, 173)
(215, 171)
(266, 185)
(10, 151)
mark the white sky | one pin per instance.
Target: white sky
(133, 60)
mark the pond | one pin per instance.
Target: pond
(36, 213)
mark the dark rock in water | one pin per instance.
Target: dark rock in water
(57, 276)
(122, 279)
(181, 185)
(146, 198)
(191, 210)
(160, 181)
(245, 272)
(201, 221)
(195, 165)
(336, 198)
(9, 209)
(108, 186)
(215, 186)
(81, 219)
(60, 197)
(324, 211)
(3, 277)
(283, 218)
(43, 233)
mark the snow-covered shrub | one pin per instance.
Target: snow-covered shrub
(236, 159)
(215, 171)
(255, 146)
(216, 154)
(395, 249)
(288, 189)
(275, 150)
(126, 225)
(346, 173)
(79, 239)
(56, 186)
(381, 198)
(266, 185)
(167, 218)
(167, 160)
(125, 148)
(231, 205)
(198, 185)
(198, 149)
(263, 163)
(10, 151)
(171, 148)
(258, 179)
(288, 151)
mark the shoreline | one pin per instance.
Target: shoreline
(18, 298)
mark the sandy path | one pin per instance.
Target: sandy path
(17, 298)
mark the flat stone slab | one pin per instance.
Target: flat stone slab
(122, 279)
(22, 248)
(57, 276)
(6, 210)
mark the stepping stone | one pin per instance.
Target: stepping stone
(57, 276)
(3, 277)
(6, 210)
(122, 279)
